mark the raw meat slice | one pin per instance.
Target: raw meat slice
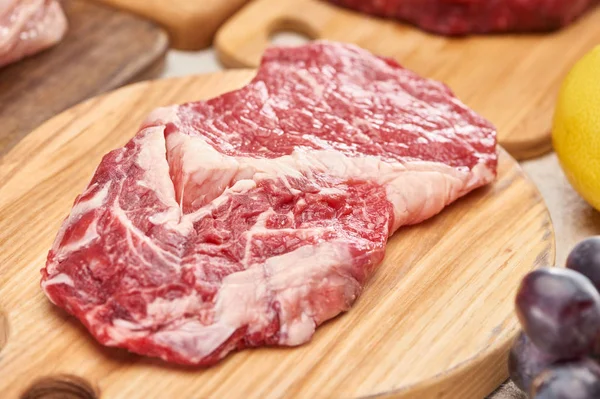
(28, 27)
(461, 17)
(252, 218)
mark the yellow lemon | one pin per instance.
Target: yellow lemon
(576, 131)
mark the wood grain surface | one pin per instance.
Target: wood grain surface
(191, 23)
(436, 320)
(102, 50)
(510, 79)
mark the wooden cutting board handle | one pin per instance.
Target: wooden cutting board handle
(512, 80)
(260, 23)
(191, 23)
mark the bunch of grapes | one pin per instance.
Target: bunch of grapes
(556, 355)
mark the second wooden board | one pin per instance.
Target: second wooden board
(97, 55)
(510, 79)
(191, 23)
(436, 319)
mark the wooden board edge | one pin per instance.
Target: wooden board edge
(526, 150)
(179, 23)
(151, 72)
(450, 383)
(225, 57)
(283, 17)
(144, 67)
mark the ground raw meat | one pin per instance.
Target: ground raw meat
(252, 218)
(28, 27)
(461, 17)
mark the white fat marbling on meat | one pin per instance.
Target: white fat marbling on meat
(97, 201)
(60, 278)
(193, 339)
(479, 173)
(91, 234)
(243, 300)
(162, 309)
(331, 191)
(407, 184)
(259, 227)
(170, 215)
(94, 203)
(286, 183)
(120, 329)
(245, 297)
(162, 116)
(219, 169)
(120, 323)
(152, 159)
(242, 186)
(292, 285)
(132, 231)
(309, 80)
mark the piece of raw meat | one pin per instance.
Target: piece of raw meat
(461, 17)
(28, 27)
(252, 218)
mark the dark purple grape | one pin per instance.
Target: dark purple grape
(526, 361)
(575, 380)
(559, 310)
(585, 258)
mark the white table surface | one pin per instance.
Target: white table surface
(573, 219)
(181, 63)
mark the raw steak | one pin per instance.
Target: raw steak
(252, 218)
(28, 27)
(461, 17)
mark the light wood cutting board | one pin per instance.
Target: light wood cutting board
(97, 55)
(510, 79)
(436, 320)
(191, 23)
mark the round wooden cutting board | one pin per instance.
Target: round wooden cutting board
(436, 320)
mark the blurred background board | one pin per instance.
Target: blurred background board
(510, 79)
(191, 23)
(98, 53)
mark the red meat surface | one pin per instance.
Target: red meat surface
(252, 218)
